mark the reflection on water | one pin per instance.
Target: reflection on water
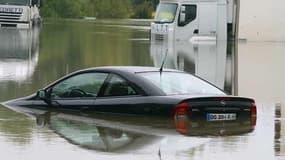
(214, 61)
(279, 144)
(66, 47)
(16, 127)
(30, 59)
(19, 52)
(90, 136)
(277, 128)
(117, 133)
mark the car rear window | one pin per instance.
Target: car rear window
(175, 83)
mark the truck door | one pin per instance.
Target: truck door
(186, 28)
(208, 18)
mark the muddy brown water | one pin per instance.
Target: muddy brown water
(31, 59)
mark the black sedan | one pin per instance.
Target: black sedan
(141, 91)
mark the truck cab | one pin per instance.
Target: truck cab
(19, 13)
(195, 20)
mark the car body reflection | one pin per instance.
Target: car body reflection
(116, 133)
(19, 51)
(200, 127)
(214, 61)
(83, 132)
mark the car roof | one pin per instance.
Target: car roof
(131, 69)
(127, 72)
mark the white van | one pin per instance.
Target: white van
(195, 20)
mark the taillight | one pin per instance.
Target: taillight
(253, 114)
(182, 109)
(181, 117)
(253, 110)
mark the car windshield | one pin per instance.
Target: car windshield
(178, 83)
(166, 12)
(14, 2)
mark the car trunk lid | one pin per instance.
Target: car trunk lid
(215, 109)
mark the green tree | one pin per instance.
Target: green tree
(109, 8)
(62, 8)
(144, 10)
(78, 8)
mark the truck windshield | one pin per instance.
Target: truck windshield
(166, 13)
(178, 83)
(15, 2)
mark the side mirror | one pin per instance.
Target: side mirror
(182, 15)
(42, 94)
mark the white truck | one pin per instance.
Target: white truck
(19, 54)
(214, 61)
(19, 13)
(196, 20)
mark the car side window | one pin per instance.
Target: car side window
(118, 86)
(190, 14)
(79, 86)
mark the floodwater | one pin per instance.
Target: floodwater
(31, 59)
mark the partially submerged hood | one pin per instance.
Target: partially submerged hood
(19, 101)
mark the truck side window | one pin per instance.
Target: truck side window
(190, 14)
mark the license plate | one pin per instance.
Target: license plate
(221, 117)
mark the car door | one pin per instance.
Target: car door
(77, 92)
(118, 95)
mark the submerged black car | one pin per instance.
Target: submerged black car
(141, 91)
